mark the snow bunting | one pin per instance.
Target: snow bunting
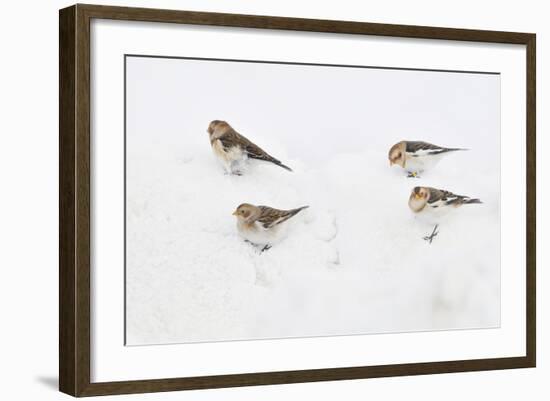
(233, 149)
(262, 225)
(417, 156)
(433, 203)
(425, 199)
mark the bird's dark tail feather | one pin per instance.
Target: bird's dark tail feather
(270, 159)
(298, 210)
(454, 149)
(278, 163)
(471, 201)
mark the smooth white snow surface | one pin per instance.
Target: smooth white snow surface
(355, 261)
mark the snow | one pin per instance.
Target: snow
(353, 263)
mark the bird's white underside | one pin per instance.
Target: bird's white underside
(422, 162)
(435, 209)
(231, 159)
(259, 235)
(431, 215)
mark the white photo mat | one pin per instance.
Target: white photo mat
(112, 361)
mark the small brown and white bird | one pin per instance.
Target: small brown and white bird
(233, 150)
(432, 204)
(428, 199)
(417, 156)
(263, 225)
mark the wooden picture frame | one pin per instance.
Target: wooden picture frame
(74, 200)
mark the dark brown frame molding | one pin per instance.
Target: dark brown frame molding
(74, 199)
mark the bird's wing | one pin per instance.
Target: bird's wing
(420, 148)
(441, 197)
(270, 217)
(255, 152)
(232, 138)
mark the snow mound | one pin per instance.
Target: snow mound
(354, 262)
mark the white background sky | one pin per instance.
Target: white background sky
(314, 111)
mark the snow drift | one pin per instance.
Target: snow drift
(353, 263)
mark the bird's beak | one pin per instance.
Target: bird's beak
(391, 163)
(417, 196)
(234, 213)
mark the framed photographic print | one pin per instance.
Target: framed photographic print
(250, 200)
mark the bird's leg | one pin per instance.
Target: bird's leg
(257, 246)
(413, 174)
(234, 168)
(434, 233)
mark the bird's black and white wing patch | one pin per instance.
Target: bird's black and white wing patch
(233, 138)
(421, 148)
(255, 152)
(441, 197)
(270, 217)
